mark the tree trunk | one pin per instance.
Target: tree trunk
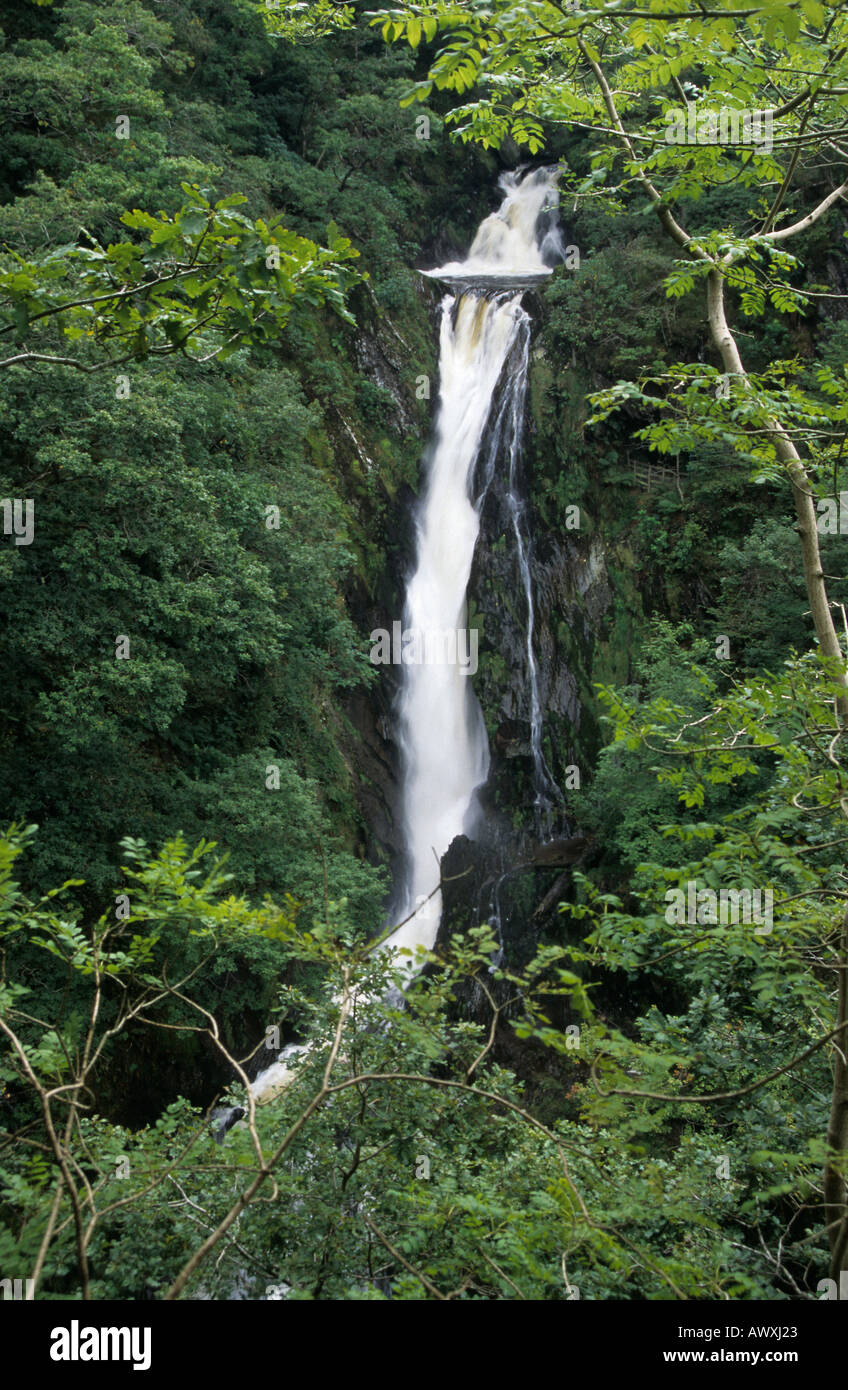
(802, 494)
(835, 1182)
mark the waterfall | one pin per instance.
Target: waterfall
(484, 336)
(484, 345)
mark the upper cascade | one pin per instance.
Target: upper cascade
(520, 243)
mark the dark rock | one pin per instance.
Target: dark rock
(223, 1118)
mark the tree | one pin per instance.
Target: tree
(400, 1158)
(780, 737)
(204, 283)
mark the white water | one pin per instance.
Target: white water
(510, 244)
(443, 737)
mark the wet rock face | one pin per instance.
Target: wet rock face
(369, 743)
(514, 885)
(467, 868)
(374, 760)
(481, 881)
(472, 871)
(571, 596)
(557, 568)
(380, 360)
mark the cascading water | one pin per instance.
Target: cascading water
(443, 737)
(520, 242)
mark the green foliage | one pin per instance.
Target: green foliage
(205, 282)
(427, 1175)
(154, 524)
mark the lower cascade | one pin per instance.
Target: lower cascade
(485, 335)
